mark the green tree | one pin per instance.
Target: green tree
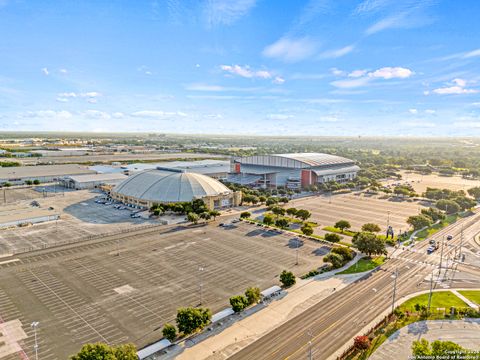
(268, 220)
(36, 182)
(306, 229)
(291, 211)
(474, 192)
(245, 215)
(342, 225)
(370, 227)
(253, 295)
(287, 278)
(169, 332)
(29, 182)
(271, 201)
(332, 237)
(193, 218)
(449, 206)
(346, 253)
(238, 302)
(335, 259)
(282, 223)
(100, 351)
(191, 319)
(433, 214)
(214, 214)
(442, 349)
(277, 210)
(369, 243)
(419, 221)
(303, 214)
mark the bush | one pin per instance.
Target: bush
(238, 302)
(282, 223)
(449, 206)
(370, 227)
(346, 253)
(306, 229)
(36, 182)
(245, 215)
(287, 278)
(332, 237)
(419, 221)
(336, 260)
(169, 332)
(361, 342)
(253, 295)
(268, 220)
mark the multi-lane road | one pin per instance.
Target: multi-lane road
(327, 326)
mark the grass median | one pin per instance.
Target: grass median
(364, 264)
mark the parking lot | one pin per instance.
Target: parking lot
(358, 209)
(80, 217)
(124, 289)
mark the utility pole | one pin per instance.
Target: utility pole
(441, 254)
(431, 288)
(35, 346)
(201, 269)
(394, 289)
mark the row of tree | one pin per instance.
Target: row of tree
(240, 302)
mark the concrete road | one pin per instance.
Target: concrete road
(327, 326)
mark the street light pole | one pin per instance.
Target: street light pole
(441, 255)
(200, 269)
(310, 353)
(394, 289)
(296, 250)
(34, 327)
(431, 288)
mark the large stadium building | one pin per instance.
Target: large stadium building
(165, 185)
(293, 171)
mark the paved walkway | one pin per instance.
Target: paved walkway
(467, 301)
(398, 346)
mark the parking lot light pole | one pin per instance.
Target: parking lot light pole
(430, 293)
(34, 326)
(201, 269)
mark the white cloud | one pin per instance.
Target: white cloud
(413, 111)
(60, 99)
(157, 114)
(337, 72)
(346, 84)
(454, 90)
(390, 22)
(290, 50)
(460, 82)
(430, 111)
(279, 116)
(246, 71)
(456, 87)
(418, 124)
(333, 54)
(51, 114)
(278, 80)
(63, 71)
(370, 6)
(470, 54)
(357, 73)
(45, 71)
(96, 114)
(227, 12)
(118, 115)
(91, 96)
(391, 73)
(204, 87)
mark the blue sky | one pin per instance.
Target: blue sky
(266, 67)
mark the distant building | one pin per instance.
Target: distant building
(91, 181)
(164, 185)
(44, 173)
(293, 171)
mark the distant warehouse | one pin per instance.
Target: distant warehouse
(44, 173)
(293, 171)
(91, 181)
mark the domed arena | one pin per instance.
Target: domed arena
(162, 185)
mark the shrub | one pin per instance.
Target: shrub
(347, 254)
(332, 237)
(287, 278)
(245, 215)
(169, 332)
(192, 319)
(238, 302)
(253, 295)
(335, 259)
(268, 220)
(306, 229)
(282, 223)
(36, 182)
(361, 342)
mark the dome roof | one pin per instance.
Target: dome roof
(162, 185)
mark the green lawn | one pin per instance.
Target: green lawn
(338, 231)
(364, 264)
(472, 295)
(441, 299)
(450, 219)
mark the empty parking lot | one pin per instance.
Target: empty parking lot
(358, 209)
(124, 290)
